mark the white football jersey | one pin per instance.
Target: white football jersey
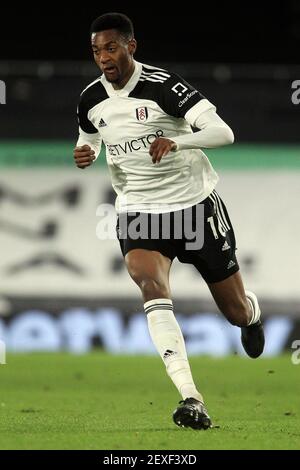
(152, 104)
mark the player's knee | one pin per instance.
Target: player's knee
(151, 287)
(237, 313)
(152, 280)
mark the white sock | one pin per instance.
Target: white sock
(254, 307)
(168, 340)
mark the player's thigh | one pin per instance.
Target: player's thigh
(147, 264)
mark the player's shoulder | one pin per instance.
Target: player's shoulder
(163, 82)
(156, 83)
(93, 93)
(157, 75)
(167, 89)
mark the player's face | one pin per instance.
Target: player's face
(114, 56)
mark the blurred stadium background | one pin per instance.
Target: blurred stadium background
(64, 289)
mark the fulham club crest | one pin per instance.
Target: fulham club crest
(142, 114)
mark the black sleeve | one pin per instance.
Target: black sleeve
(178, 96)
(82, 116)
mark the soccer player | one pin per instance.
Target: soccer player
(144, 115)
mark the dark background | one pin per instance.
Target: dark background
(235, 31)
(243, 56)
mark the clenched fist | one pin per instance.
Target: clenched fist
(160, 148)
(84, 156)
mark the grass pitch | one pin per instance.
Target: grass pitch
(97, 401)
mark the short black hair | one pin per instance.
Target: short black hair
(117, 21)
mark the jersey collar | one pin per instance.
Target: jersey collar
(130, 85)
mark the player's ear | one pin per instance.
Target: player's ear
(132, 45)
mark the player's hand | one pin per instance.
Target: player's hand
(84, 156)
(160, 148)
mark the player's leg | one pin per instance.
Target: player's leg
(219, 267)
(150, 271)
(241, 309)
(231, 299)
(217, 263)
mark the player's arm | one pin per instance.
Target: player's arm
(214, 132)
(182, 100)
(87, 149)
(88, 145)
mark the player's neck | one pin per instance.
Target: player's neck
(125, 79)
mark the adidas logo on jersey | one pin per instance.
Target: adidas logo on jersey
(102, 123)
(230, 264)
(169, 353)
(225, 246)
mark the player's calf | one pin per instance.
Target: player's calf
(237, 312)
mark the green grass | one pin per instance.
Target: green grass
(99, 401)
